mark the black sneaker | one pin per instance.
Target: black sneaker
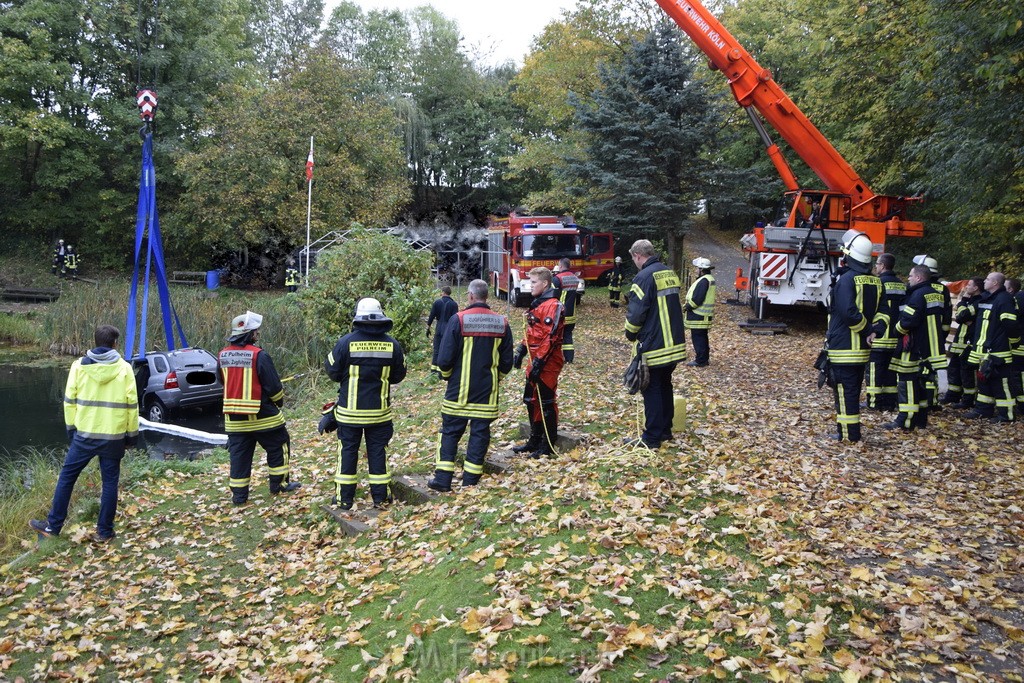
(434, 485)
(640, 443)
(42, 529)
(381, 504)
(95, 537)
(288, 488)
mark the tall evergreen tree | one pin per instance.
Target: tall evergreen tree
(651, 137)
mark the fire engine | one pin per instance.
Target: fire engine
(519, 242)
(791, 259)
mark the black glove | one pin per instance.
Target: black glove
(428, 331)
(518, 356)
(131, 441)
(328, 423)
(535, 370)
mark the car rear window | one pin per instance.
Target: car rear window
(160, 363)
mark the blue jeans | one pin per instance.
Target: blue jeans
(83, 450)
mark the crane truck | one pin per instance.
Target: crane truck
(791, 259)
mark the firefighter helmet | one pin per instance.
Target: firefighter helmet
(857, 246)
(703, 263)
(369, 310)
(247, 322)
(618, 259)
(926, 260)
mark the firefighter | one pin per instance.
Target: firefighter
(291, 276)
(476, 353)
(1013, 287)
(70, 268)
(615, 278)
(699, 309)
(442, 310)
(941, 322)
(654, 322)
(253, 396)
(913, 350)
(566, 286)
(996, 325)
(365, 363)
(101, 413)
(963, 382)
(853, 303)
(880, 378)
(58, 258)
(545, 325)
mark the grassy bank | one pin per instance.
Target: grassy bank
(751, 547)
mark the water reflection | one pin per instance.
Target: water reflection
(32, 415)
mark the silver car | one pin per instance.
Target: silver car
(173, 381)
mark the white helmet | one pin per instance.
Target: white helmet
(247, 322)
(702, 263)
(926, 260)
(857, 246)
(618, 259)
(369, 310)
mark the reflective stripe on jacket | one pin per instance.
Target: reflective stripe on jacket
(565, 285)
(365, 363)
(654, 315)
(476, 352)
(700, 299)
(853, 302)
(101, 400)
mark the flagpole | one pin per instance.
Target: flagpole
(309, 208)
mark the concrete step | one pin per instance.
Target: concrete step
(412, 488)
(355, 521)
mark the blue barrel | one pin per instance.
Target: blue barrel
(212, 279)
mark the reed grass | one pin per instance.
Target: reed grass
(27, 479)
(205, 318)
(19, 329)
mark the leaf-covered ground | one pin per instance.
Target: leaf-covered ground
(751, 547)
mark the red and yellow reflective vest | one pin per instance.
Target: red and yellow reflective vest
(243, 393)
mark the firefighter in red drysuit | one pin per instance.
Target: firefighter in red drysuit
(545, 326)
(566, 285)
(253, 394)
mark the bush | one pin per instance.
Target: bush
(371, 265)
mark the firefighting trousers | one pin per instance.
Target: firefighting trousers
(997, 393)
(568, 349)
(543, 409)
(912, 401)
(847, 400)
(349, 439)
(880, 380)
(701, 345)
(962, 378)
(242, 446)
(659, 405)
(452, 429)
(614, 294)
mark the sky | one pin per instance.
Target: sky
(502, 29)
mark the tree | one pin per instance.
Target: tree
(245, 188)
(650, 139)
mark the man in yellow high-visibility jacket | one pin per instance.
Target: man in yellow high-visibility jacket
(101, 413)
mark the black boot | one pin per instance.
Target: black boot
(536, 435)
(547, 441)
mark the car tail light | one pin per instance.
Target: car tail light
(171, 381)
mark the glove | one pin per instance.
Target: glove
(535, 370)
(327, 423)
(131, 441)
(518, 356)
(428, 331)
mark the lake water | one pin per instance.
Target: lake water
(32, 415)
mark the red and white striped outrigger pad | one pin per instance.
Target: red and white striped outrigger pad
(147, 104)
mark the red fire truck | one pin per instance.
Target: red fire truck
(519, 242)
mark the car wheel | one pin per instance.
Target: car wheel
(156, 412)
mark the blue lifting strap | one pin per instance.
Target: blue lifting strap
(147, 219)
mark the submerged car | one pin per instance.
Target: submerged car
(170, 382)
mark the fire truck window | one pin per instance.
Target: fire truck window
(601, 244)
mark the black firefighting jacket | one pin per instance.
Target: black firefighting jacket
(476, 352)
(365, 363)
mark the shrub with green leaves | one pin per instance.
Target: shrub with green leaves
(375, 265)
